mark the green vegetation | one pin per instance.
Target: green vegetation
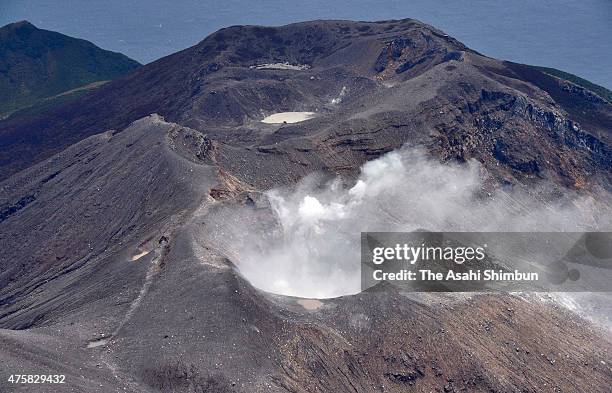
(48, 104)
(38, 64)
(599, 90)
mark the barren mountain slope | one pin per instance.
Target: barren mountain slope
(401, 79)
(105, 281)
(111, 274)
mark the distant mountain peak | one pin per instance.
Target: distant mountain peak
(37, 64)
(20, 25)
(409, 81)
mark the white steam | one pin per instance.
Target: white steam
(313, 251)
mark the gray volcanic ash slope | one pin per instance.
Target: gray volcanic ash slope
(116, 270)
(397, 81)
(119, 291)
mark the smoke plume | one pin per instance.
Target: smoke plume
(311, 245)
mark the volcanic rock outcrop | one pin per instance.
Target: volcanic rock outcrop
(101, 277)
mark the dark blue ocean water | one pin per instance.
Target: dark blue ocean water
(572, 35)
